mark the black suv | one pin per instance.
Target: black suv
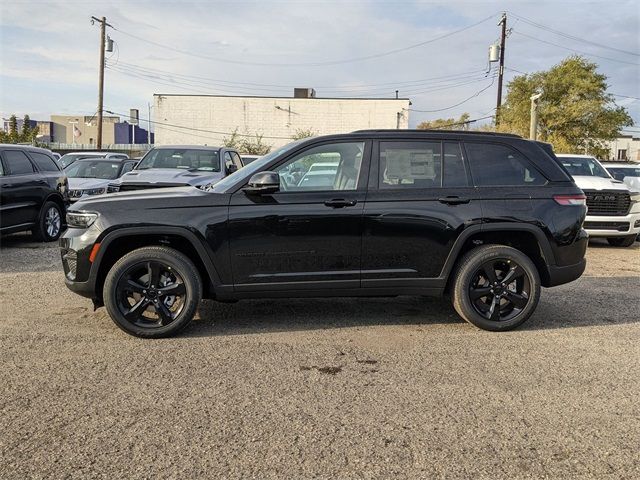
(33, 192)
(487, 218)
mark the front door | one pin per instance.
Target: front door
(307, 236)
(420, 199)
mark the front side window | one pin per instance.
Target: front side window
(334, 166)
(410, 164)
(44, 162)
(17, 163)
(182, 158)
(127, 167)
(499, 165)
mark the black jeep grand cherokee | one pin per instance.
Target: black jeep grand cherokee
(488, 218)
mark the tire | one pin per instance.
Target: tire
(152, 292)
(622, 241)
(483, 300)
(49, 226)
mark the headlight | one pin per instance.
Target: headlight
(81, 219)
(95, 191)
(635, 197)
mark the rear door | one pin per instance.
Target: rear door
(20, 190)
(420, 199)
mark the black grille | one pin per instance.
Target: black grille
(619, 226)
(145, 186)
(608, 202)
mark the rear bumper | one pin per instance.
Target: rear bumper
(569, 273)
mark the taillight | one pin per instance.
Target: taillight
(570, 199)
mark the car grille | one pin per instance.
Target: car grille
(145, 186)
(619, 226)
(608, 202)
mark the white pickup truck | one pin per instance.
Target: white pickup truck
(613, 208)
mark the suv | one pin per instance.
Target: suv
(487, 218)
(173, 166)
(33, 192)
(70, 158)
(614, 211)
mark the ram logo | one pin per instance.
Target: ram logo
(605, 198)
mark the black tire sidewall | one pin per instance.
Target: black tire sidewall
(176, 260)
(626, 241)
(468, 266)
(41, 230)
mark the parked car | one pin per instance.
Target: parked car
(317, 178)
(491, 224)
(613, 210)
(626, 172)
(33, 192)
(91, 176)
(56, 156)
(173, 166)
(69, 158)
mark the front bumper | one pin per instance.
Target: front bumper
(618, 226)
(75, 249)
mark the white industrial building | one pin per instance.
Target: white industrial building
(208, 119)
(625, 147)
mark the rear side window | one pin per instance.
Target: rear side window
(17, 163)
(499, 165)
(410, 165)
(44, 162)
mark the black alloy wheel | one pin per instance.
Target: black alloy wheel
(152, 292)
(500, 290)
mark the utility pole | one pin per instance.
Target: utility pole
(533, 124)
(503, 41)
(103, 24)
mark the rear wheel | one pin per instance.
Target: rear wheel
(496, 287)
(49, 225)
(152, 292)
(622, 241)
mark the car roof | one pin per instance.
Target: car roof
(415, 131)
(560, 155)
(104, 159)
(621, 164)
(190, 147)
(29, 148)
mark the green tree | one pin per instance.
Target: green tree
(448, 123)
(13, 129)
(26, 134)
(233, 141)
(575, 113)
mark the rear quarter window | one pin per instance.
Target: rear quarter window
(44, 162)
(494, 165)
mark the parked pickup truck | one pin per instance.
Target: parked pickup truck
(179, 166)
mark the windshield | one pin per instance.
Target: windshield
(105, 169)
(252, 168)
(620, 172)
(583, 166)
(69, 158)
(182, 158)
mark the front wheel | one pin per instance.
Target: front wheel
(496, 287)
(622, 241)
(152, 292)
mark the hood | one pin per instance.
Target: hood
(598, 183)
(633, 183)
(170, 176)
(87, 183)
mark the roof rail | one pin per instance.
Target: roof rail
(459, 132)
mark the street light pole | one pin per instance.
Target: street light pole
(533, 123)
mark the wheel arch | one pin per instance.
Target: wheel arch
(529, 239)
(122, 241)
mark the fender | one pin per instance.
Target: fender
(185, 233)
(501, 226)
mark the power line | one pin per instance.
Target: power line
(462, 123)
(574, 50)
(457, 104)
(306, 64)
(572, 37)
(625, 96)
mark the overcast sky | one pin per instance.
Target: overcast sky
(49, 50)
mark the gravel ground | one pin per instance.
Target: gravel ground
(322, 388)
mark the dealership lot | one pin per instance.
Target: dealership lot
(326, 388)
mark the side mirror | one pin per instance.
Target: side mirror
(232, 169)
(263, 183)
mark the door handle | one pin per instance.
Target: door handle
(340, 203)
(454, 200)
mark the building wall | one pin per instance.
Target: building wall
(278, 119)
(88, 126)
(625, 142)
(123, 133)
